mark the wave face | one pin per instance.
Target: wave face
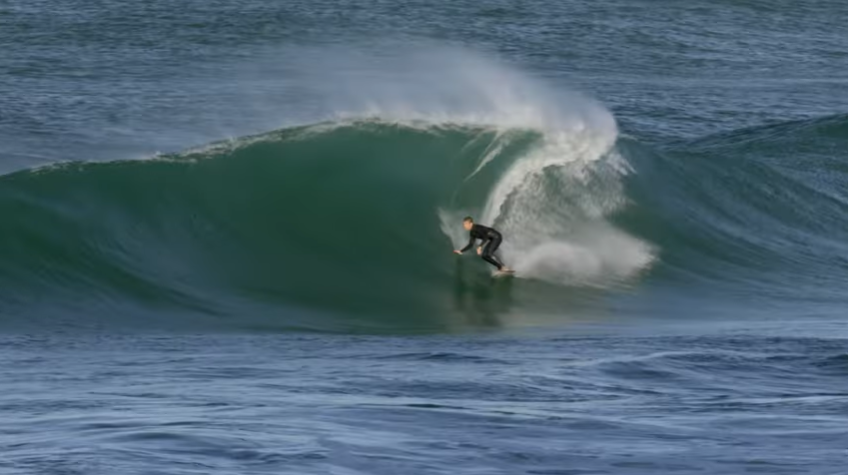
(759, 209)
(348, 226)
(339, 218)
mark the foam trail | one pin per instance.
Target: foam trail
(491, 152)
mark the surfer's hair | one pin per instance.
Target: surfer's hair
(468, 219)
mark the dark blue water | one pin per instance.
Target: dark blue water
(225, 235)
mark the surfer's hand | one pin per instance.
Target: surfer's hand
(480, 250)
(458, 252)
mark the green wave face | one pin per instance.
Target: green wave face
(338, 226)
(349, 226)
(761, 210)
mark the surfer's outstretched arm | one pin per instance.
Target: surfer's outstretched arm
(467, 246)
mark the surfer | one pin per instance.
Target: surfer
(491, 241)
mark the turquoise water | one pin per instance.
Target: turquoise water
(227, 228)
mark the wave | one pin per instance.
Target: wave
(764, 206)
(343, 218)
(347, 225)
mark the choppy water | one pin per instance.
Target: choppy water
(226, 232)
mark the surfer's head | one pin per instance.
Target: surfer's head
(467, 223)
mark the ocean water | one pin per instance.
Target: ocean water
(226, 232)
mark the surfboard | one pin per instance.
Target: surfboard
(504, 273)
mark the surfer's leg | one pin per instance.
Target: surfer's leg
(493, 260)
(489, 253)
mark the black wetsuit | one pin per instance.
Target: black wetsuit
(491, 239)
